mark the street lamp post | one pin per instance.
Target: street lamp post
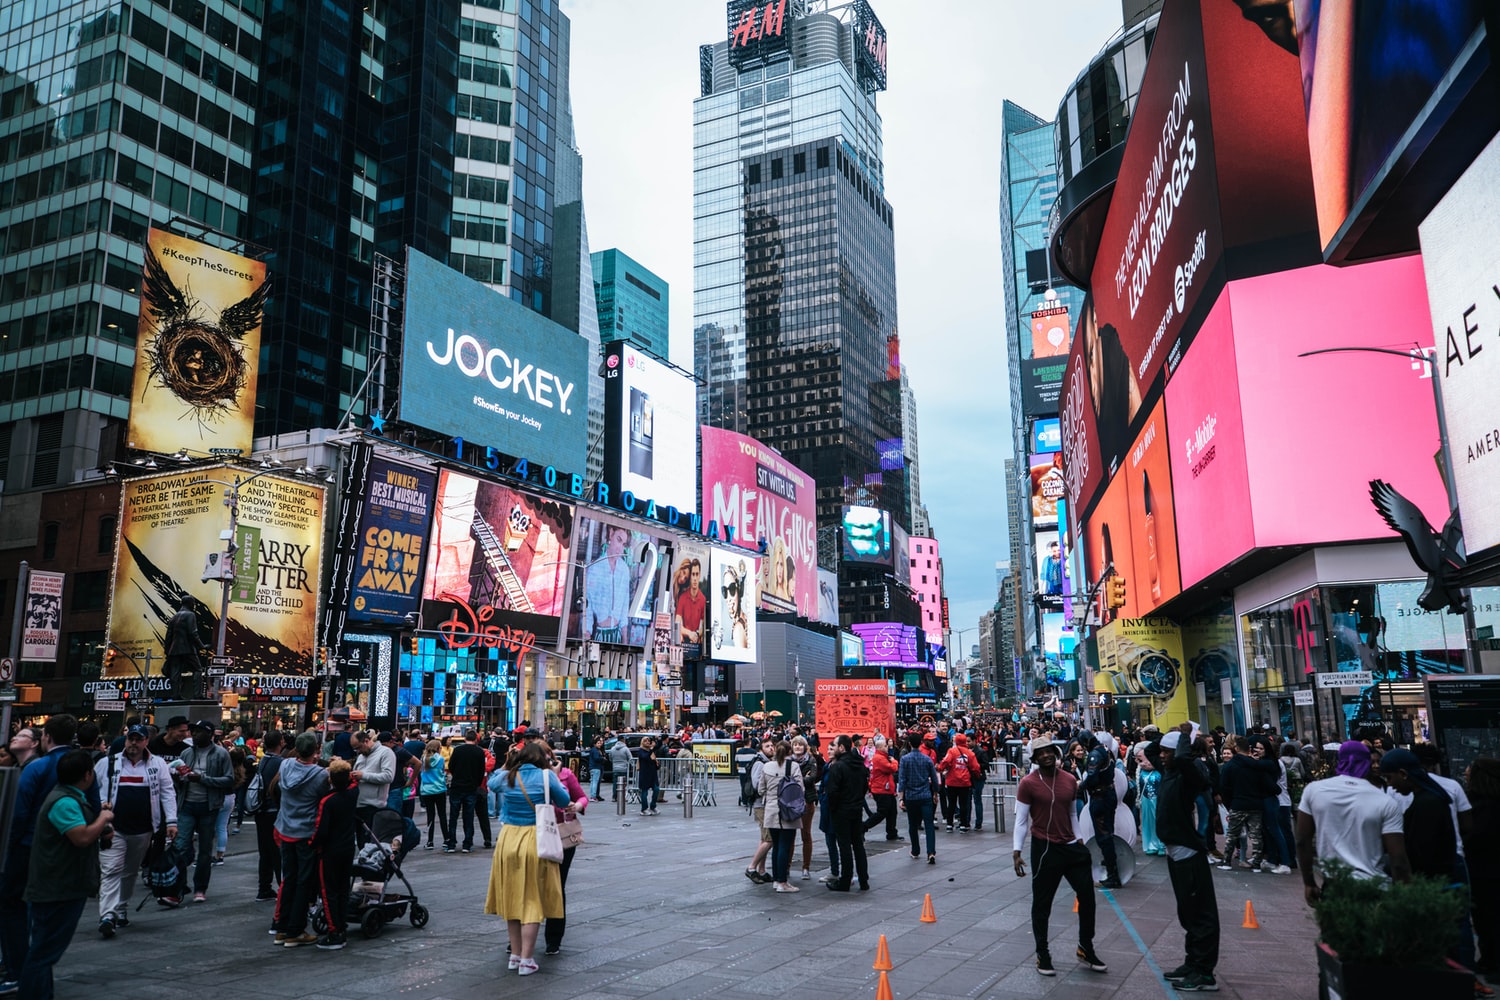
(953, 667)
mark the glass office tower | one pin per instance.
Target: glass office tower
(633, 303)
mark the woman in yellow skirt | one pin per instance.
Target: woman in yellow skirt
(524, 889)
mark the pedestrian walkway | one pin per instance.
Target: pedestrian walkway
(659, 907)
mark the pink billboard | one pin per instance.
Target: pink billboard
(1210, 480)
(750, 489)
(1269, 448)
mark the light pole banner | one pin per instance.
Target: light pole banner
(43, 616)
(169, 523)
(1461, 257)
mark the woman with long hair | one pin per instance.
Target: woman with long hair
(1147, 779)
(783, 830)
(525, 890)
(432, 788)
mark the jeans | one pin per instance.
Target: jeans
(849, 832)
(1284, 824)
(299, 869)
(270, 854)
(466, 804)
(196, 817)
(221, 829)
(1248, 822)
(976, 799)
(1277, 851)
(1205, 807)
(118, 868)
(650, 797)
(885, 812)
(782, 843)
(807, 822)
(1197, 910)
(52, 927)
(921, 813)
(946, 803)
(1050, 864)
(595, 776)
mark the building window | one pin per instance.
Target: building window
(106, 534)
(776, 169)
(49, 541)
(90, 590)
(799, 163)
(753, 173)
(822, 157)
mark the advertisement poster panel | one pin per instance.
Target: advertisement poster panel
(855, 708)
(1051, 570)
(732, 605)
(496, 560)
(1046, 435)
(169, 523)
(1106, 542)
(650, 427)
(828, 597)
(478, 366)
(197, 348)
(1461, 251)
(1140, 660)
(1046, 488)
(1210, 478)
(751, 489)
(1041, 385)
(1153, 525)
(851, 649)
(615, 583)
(1049, 332)
(691, 581)
(392, 549)
(43, 616)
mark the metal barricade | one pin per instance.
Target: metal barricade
(682, 775)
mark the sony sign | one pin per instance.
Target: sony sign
(476, 365)
(1461, 258)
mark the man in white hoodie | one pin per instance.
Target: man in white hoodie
(374, 770)
(137, 785)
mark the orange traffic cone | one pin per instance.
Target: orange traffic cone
(1250, 921)
(928, 916)
(1075, 904)
(883, 991)
(882, 956)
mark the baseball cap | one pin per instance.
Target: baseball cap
(384, 736)
(140, 731)
(533, 734)
(206, 724)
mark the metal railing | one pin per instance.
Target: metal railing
(679, 775)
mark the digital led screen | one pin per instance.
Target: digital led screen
(890, 644)
(650, 427)
(1050, 332)
(478, 366)
(1046, 435)
(733, 602)
(1046, 489)
(867, 535)
(615, 583)
(851, 649)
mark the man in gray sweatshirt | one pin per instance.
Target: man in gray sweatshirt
(374, 770)
(303, 783)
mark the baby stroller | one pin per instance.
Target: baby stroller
(372, 902)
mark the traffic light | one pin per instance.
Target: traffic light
(1114, 590)
(414, 641)
(109, 658)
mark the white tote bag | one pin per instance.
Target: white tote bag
(549, 845)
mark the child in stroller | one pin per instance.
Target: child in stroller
(373, 902)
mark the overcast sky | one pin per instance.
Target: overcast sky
(634, 79)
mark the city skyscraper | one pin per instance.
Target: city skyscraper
(633, 302)
(319, 140)
(795, 333)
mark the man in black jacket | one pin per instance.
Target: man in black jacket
(1099, 782)
(845, 786)
(1183, 779)
(465, 778)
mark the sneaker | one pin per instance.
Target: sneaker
(963, 829)
(170, 902)
(218, 861)
(787, 887)
(949, 828)
(1250, 866)
(281, 938)
(806, 875)
(1225, 866)
(265, 897)
(1111, 883)
(200, 897)
(1281, 870)
(298, 940)
(331, 942)
(467, 850)
(450, 849)
(1088, 958)
(107, 928)
(1481, 990)
(1197, 982)
(828, 878)
(527, 967)
(1044, 965)
(915, 855)
(514, 963)
(429, 845)
(122, 921)
(1177, 974)
(555, 949)
(932, 859)
(489, 847)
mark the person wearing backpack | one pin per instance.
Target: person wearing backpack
(780, 788)
(261, 802)
(137, 787)
(751, 797)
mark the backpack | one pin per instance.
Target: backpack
(163, 875)
(255, 794)
(750, 783)
(791, 796)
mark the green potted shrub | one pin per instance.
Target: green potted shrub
(1380, 938)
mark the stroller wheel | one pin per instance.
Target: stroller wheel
(319, 921)
(419, 915)
(372, 923)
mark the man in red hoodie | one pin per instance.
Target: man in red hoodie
(958, 769)
(883, 768)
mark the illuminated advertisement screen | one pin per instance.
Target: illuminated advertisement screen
(1046, 435)
(732, 602)
(478, 366)
(752, 491)
(1050, 332)
(197, 351)
(1052, 583)
(828, 597)
(691, 582)
(851, 649)
(615, 583)
(392, 548)
(1153, 523)
(650, 428)
(892, 456)
(1106, 542)
(867, 535)
(494, 549)
(169, 523)
(1041, 385)
(1046, 489)
(890, 644)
